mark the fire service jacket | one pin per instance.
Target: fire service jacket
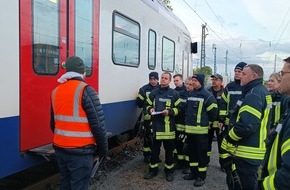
(277, 163)
(231, 94)
(246, 137)
(201, 110)
(143, 94)
(161, 99)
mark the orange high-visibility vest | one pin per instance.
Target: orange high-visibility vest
(72, 129)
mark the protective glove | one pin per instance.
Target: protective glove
(102, 153)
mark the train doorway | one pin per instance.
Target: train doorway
(50, 31)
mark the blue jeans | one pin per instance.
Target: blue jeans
(74, 170)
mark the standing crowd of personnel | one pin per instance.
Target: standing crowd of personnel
(249, 120)
(251, 123)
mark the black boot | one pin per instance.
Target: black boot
(190, 176)
(169, 177)
(186, 170)
(199, 182)
(150, 175)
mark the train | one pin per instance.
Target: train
(121, 42)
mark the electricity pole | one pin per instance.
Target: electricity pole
(214, 59)
(226, 67)
(202, 53)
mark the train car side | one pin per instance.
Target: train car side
(120, 41)
(144, 18)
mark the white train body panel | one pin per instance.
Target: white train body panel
(9, 48)
(123, 80)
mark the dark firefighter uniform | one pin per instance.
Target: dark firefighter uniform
(245, 140)
(276, 167)
(163, 127)
(280, 105)
(180, 127)
(141, 100)
(231, 94)
(214, 128)
(200, 111)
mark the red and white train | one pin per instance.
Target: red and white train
(120, 42)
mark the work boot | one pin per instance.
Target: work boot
(190, 176)
(199, 182)
(150, 175)
(177, 166)
(169, 177)
(186, 170)
(147, 159)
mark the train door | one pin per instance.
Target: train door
(51, 30)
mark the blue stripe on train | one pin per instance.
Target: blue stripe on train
(10, 159)
(120, 116)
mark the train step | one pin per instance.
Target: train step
(46, 151)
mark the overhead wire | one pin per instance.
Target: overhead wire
(279, 39)
(229, 48)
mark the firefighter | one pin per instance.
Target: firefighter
(245, 139)
(201, 109)
(232, 93)
(163, 106)
(180, 123)
(276, 165)
(143, 94)
(216, 89)
(280, 101)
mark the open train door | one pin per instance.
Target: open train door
(49, 32)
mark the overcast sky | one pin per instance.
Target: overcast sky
(253, 31)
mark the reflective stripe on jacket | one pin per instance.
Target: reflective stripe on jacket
(161, 99)
(277, 162)
(252, 123)
(72, 129)
(231, 94)
(143, 94)
(200, 111)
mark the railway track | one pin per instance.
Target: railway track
(50, 182)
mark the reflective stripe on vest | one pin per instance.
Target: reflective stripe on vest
(71, 125)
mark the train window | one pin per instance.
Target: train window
(168, 54)
(126, 41)
(45, 34)
(84, 32)
(152, 49)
